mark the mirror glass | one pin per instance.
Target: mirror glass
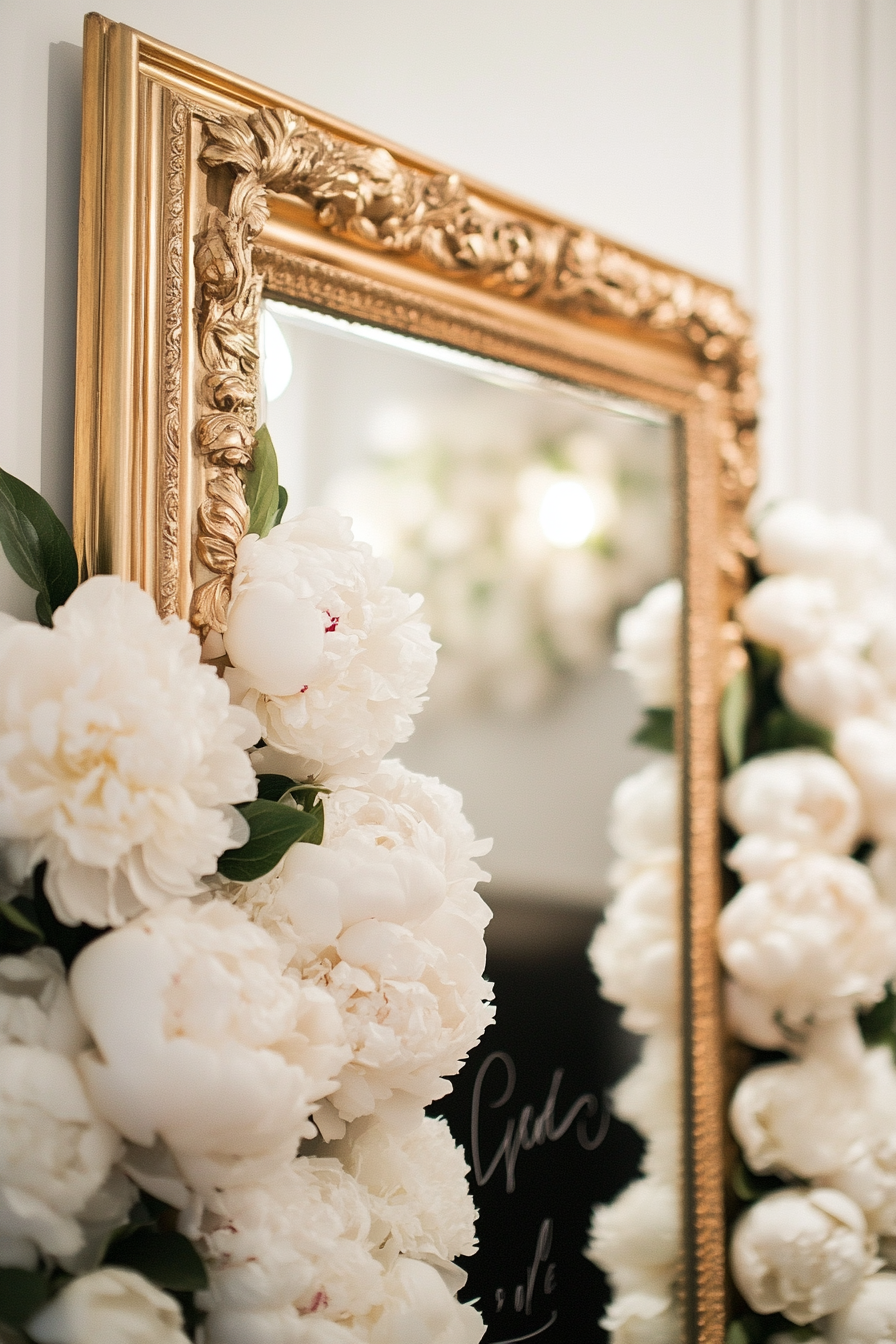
(529, 513)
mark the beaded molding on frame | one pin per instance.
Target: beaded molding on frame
(363, 193)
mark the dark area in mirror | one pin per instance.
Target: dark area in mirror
(530, 1110)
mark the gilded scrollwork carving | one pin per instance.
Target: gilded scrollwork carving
(364, 193)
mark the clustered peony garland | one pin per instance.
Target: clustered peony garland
(809, 940)
(808, 944)
(635, 954)
(240, 953)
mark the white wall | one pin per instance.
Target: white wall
(751, 140)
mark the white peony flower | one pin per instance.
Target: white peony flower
(55, 1153)
(120, 755)
(330, 657)
(791, 612)
(202, 1041)
(794, 536)
(870, 1318)
(644, 813)
(814, 940)
(417, 1185)
(643, 1318)
(649, 638)
(649, 1098)
(111, 1306)
(636, 1240)
(801, 1252)
(867, 748)
(287, 1250)
(420, 1306)
(384, 916)
(635, 950)
(830, 686)
(753, 1017)
(883, 869)
(35, 1004)
(787, 804)
(821, 1119)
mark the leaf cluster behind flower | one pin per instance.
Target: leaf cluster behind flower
(37, 546)
(284, 814)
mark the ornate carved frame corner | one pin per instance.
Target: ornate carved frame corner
(201, 192)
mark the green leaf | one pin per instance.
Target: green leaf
(21, 921)
(36, 545)
(167, 1259)
(734, 717)
(273, 829)
(262, 490)
(22, 1292)
(878, 1023)
(737, 1333)
(784, 730)
(282, 501)
(273, 787)
(657, 730)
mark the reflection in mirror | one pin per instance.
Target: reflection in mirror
(529, 513)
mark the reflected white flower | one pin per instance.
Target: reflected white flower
(786, 804)
(867, 748)
(644, 813)
(802, 1252)
(830, 686)
(634, 950)
(120, 754)
(649, 639)
(202, 1041)
(814, 940)
(643, 1318)
(331, 658)
(636, 1239)
(649, 1097)
(790, 612)
(870, 1318)
(108, 1307)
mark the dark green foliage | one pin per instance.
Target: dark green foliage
(657, 730)
(22, 1293)
(734, 717)
(167, 1259)
(274, 827)
(37, 546)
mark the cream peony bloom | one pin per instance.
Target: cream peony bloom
(814, 940)
(55, 1151)
(421, 1306)
(55, 1154)
(794, 536)
(827, 1120)
(294, 1248)
(635, 950)
(111, 1306)
(385, 917)
(120, 755)
(649, 637)
(802, 1252)
(35, 1004)
(831, 685)
(867, 748)
(202, 1042)
(417, 1188)
(331, 658)
(636, 1239)
(850, 549)
(787, 804)
(644, 814)
(791, 612)
(870, 1318)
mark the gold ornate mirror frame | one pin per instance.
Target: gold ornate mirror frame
(202, 192)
